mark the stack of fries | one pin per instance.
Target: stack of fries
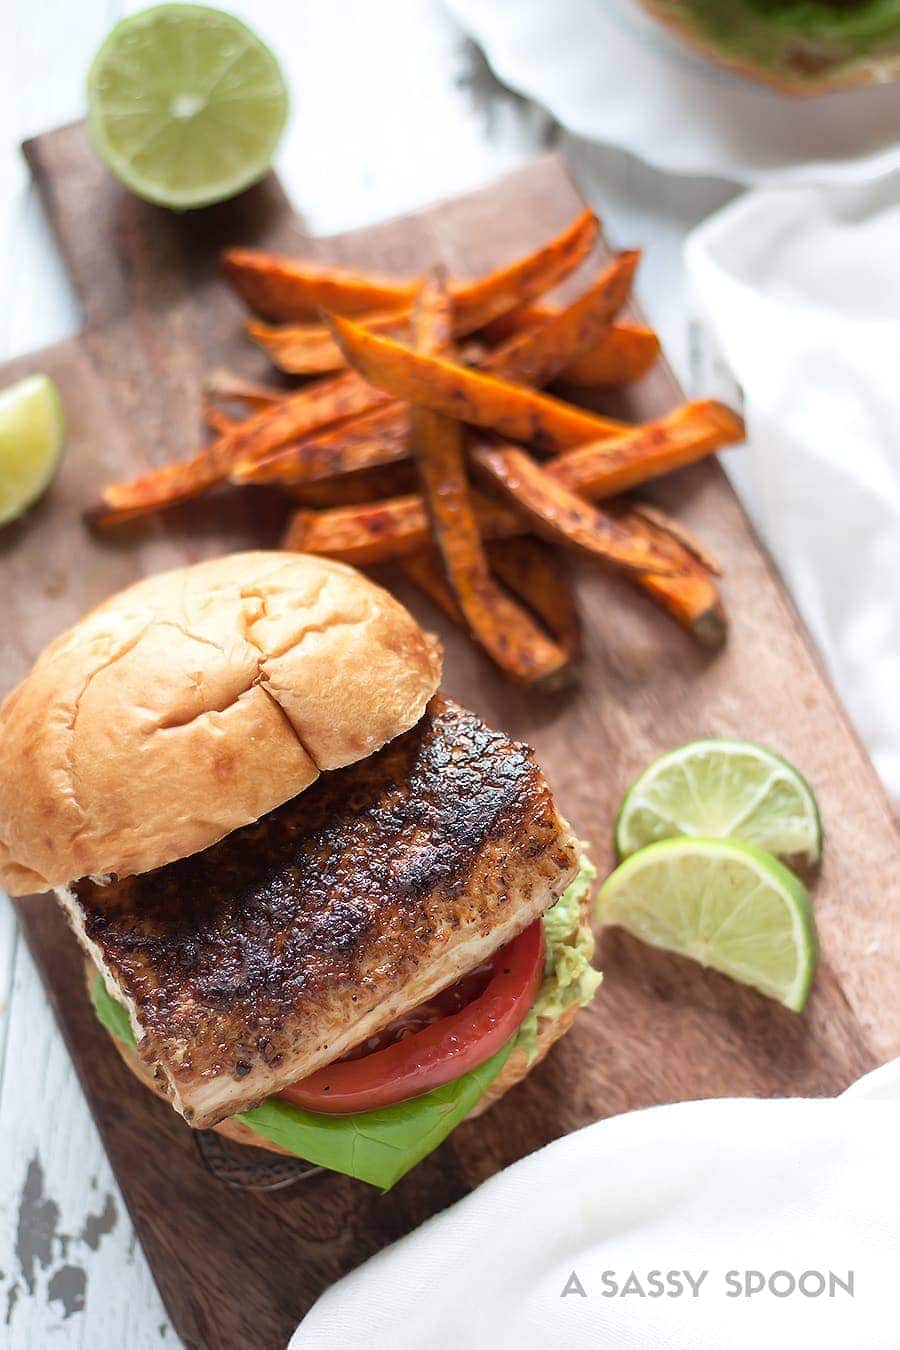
(408, 443)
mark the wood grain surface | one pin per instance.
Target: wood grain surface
(237, 1268)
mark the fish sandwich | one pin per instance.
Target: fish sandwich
(325, 910)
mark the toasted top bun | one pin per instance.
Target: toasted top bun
(804, 81)
(194, 702)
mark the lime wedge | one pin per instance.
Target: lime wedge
(185, 105)
(32, 430)
(726, 904)
(722, 789)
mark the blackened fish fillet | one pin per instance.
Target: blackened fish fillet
(252, 964)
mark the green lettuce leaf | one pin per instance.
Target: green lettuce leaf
(376, 1146)
(111, 1013)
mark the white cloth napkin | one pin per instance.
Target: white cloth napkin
(608, 72)
(797, 300)
(740, 1190)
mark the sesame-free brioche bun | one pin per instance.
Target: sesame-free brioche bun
(806, 71)
(195, 702)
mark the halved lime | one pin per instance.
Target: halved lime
(722, 789)
(185, 105)
(729, 905)
(32, 431)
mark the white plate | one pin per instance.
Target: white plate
(609, 73)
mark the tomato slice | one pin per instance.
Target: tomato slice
(441, 1050)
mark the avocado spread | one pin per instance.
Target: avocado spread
(569, 976)
(799, 37)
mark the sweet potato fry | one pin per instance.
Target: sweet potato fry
(293, 288)
(509, 635)
(537, 354)
(310, 348)
(517, 321)
(663, 521)
(622, 354)
(378, 531)
(689, 593)
(426, 570)
(231, 388)
(399, 526)
(363, 442)
(353, 489)
(289, 288)
(693, 600)
(433, 382)
(319, 404)
(167, 486)
(528, 567)
(476, 303)
(558, 513)
(369, 533)
(539, 574)
(688, 433)
(537, 659)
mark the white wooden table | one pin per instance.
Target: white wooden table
(392, 107)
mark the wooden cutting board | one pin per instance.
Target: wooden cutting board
(239, 1268)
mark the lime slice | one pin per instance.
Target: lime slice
(185, 105)
(728, 905)
(722, 789)
(32, 430)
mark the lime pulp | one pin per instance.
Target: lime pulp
(724, 903)
(185, 105)
(32, 431)
(722, 789)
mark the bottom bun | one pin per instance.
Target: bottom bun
(517, 1067)
(802, 83)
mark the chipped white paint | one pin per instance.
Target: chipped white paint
(67, 1253)
(413, 116)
